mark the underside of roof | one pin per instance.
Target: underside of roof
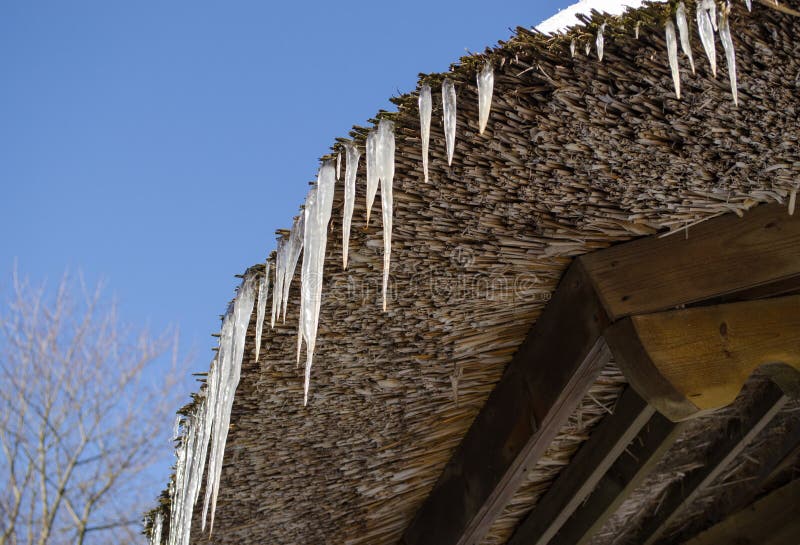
(578, 155)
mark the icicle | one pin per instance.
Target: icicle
(372, 170)
(672, 51)
(353, 155)
(749, 5)
(588, 48)
(730, 54)
(711, 5)
(485, 87)
(600, 42)
(425, 108)
(191, 454)
(317, 215)
(449, 113)
(339, 166)
(277, 288)
(308, 208)
(296, 237)
(178, 494)
(706, 28)
(261, 308)
(155, 533)
(386, 171)
(222, 370)
(792, 201)
(572, 48)
(684, 32)
(234, 330)
(636, 29)
(176, 427)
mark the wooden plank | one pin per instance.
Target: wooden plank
(721, 256)
(738, 435)
(772, 520)
(706, 354)
(549, 375)
(585, 469)
(624, 476)
(787, 286)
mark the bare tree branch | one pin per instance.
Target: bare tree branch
(81, 415)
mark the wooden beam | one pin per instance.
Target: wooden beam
(543, 385)
(625, 475)
(721, 256)
(772, 520)
(738, 435)
(585, 470)
(693, 360)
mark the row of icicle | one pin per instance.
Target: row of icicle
(708, 22)
(205, 430)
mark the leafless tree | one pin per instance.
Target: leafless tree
(82, 416)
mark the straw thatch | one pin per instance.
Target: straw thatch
(578, 155)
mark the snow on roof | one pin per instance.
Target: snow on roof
(566, 17)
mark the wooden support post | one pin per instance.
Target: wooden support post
(587, 467)
(695, 360)
(721, 257)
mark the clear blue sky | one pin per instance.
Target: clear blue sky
(158, 145)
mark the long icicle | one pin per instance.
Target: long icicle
(372, 170)
(305, 275)
(425, 109)
(706, 28)
(730, 54)
(222, 372)
(277, 288)
(485, 88)
(292, 256)
(240, 318)
(352, 157)
(316, 239)
(155, 532)
(672, 52)
(261, 307)
(449, 113)
(685, 33)
(386, 147)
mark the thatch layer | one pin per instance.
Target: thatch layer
(578, 155)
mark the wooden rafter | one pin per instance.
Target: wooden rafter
(625, 475)
(586, 469)
(738, 435)
(565, 351)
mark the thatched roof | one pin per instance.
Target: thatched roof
(578, 155)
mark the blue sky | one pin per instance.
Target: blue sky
(158, 145)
